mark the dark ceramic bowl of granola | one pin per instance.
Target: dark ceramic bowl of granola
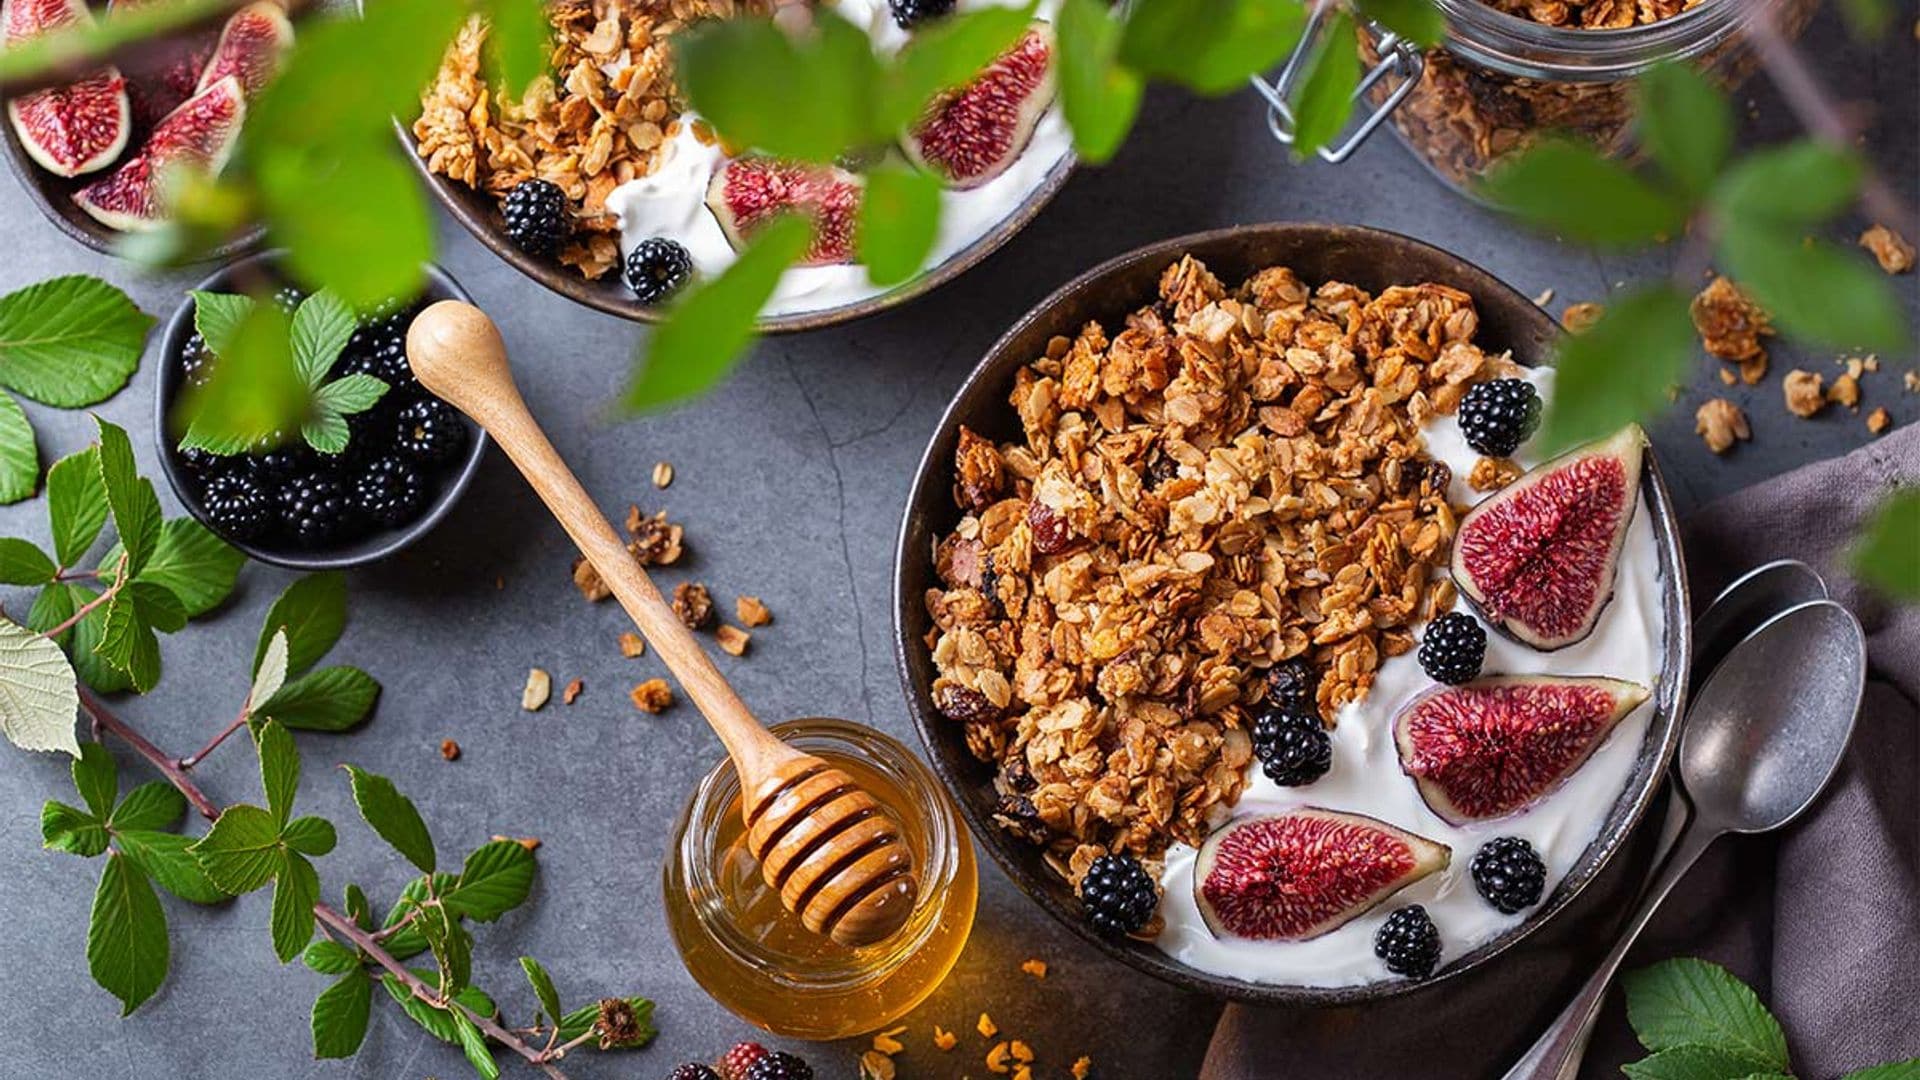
(1602, 879)
(417, 484)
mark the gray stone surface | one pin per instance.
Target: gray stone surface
(790, 480)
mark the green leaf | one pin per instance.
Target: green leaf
(494, 880)
(70, 341)
(130, 497)
(329, 957)
(828, 81)
(127, 643)
(126, 935)
(542, 984)
(326, 432)
(1685, 123)
(76, 504)
(310, 835)
(253, 392)
(1419, 21)
(296, 888)
(340, 1016)
(1570, 188)
(218, 317)
(475, 1046)
(1212, 46)
(581, 1020)
(96, 777)
(242, 850)
(1098, 96)
(350, 394)
(943, 54)
(393, 816)
(353, 217)
(409, 941)
(516, 42)
(313, 611)
(1887, 555)
(157, 606)
(452, 945)
(1617, 371)
(708, 328)
(23, 563)
(1867, 21)
(271, 675)
(321, 326)
(1687, 1001)
(194, 565)
(436, 1022)
(330, 699)
(165, 858)
(358, 909)
(38, 698)
(899, 220)
(1800, 184)
(1326, 93)
(155, 804)
(1690, 1063)
(19, 454)
(279, 770)
(72, 830)
(1892, 1070)
(1815, 289)
(55, 605)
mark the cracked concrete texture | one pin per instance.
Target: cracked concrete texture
(790, 480)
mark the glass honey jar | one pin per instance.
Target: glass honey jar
(753, 956)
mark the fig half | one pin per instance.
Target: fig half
(251, 45)
(746, 193)
(1494, 746)
(198, 135)
(1538, 558)
(1304, 873)
(76, 128)
(970, 135)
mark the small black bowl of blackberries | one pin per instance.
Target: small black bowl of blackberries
(374, 465)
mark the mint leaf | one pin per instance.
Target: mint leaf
(321, 326)
(165, 858)
(1884, 554)
(329, 957)
(127, 643)
(1572, 189)
(1326, 93)
(155, 804)
(1892, 1070)
(72, 830)
(581, 1020)
(76, 504)
(242, 850)
(1800, 184)
(19, 454)
(296, 888)
(126, 935)
(217, 318)
(350, 394)
(253, 392)
(494, 880)
(23, 563)
(96, 777)
(1416, 20)
(475, 1047)
(194, 565)
(393, 816)
(326, 432)
(1098, 96)
(130, 498)
(709, 327)
(279, 770)
(38, 698)
(1686, 1001)
(828, 81)
(1815, 289)
(340, 1016)
(330, 699)
(313, 611)
(943, 54)
(70, 341)
(1618, 370)
(899, 220)
(1212, 46)
(1690, 1063)
(1685, 123)
(516, 42)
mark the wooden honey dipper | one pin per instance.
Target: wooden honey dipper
(832, 851)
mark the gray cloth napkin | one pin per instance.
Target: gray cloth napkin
(1823, 920)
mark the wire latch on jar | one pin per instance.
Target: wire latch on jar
(1397, 56)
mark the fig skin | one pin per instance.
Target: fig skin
(974, 133)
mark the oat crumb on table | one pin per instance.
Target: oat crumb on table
(1891, 250)
(1910, 380)
(1845, 391)
(632, 645)
(693, 604)
(662, 474)
(655, 540)
(1803, 392)
(652, 696)
(1492, 474)
(1082, 1067)
(732, 639)
(1035, 967)
(986, 1027)
(587, 580)
(1721, 423)
(875, 1065)
(751, 611)
(572, 691)
(538, 689)
(1581, 316)
(1879, 420)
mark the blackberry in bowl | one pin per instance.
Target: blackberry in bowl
(387, 474)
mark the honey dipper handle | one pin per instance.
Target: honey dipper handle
(457, 353)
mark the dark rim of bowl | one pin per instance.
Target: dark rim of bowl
(475, 211)
(440, 285)
(930, 512)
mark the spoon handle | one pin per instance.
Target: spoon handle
(1557, 1053)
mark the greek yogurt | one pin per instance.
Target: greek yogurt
(1627, 643)
(671, 201)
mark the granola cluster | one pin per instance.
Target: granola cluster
(1594, 14)
(1232, 478)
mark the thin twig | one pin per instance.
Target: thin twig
(386, 932)
(119, 580)
(213, 744)
(555, 1053)
(106, 721)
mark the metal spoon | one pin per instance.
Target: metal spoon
(1753, 599)
(1752, 758)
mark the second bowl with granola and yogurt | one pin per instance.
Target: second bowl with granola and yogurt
(1290, 649)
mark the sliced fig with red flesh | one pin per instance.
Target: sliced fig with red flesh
(250, 49)
(1304, 873)
(199, 135)
(970, 135)
(1538, 558)
(77, 128)
(1495, 746)
(158, 81)
(746, 193)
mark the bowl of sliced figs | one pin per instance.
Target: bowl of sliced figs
(1265, 643)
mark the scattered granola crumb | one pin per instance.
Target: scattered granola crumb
(1754, 368)
(656, 541)
(1911, 380)
(1581, 316)
(1727, 376)
(887, 1042)
(732, 639)
(662, 474)
(751, 611)
(943, 1039)
(1879, 420)
(531, 843)
(1082, 1067)
(652, 696)
(1845, 391)
(587, 580)
(1871, 362)
(1035, 967)
(986, 1027)
(693, 604)
(572, 691)
(632, 645)
(1730, 324)
(1545, 297)
(1889, 248)
(1856, 366)
(538, 689)
(451, 750)
(1022, 1072)
(1803, 392)
(1721, 423)
(1020, 1051)
(1492, 474)
(875, 1065)
(997, 1059)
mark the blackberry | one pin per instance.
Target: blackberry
(909, 13)
(1292, 685)
(656, 268)
(288, 298)
(1118, 894)
(1497, 416)
(1409, 942)
(203, 463)
(739, 1059)
(381, 352)
(693, 1070)
(389, 491)
(273, 468)
(429, 431)
(315, 510)
(196, 361)
(1509, 874)
(779, 1065)
(1293, 747)
(536, 217)
(237, 505)
(1454, 648)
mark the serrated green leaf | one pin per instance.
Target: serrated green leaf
(350, 394)
(1098, 96)
(271, 674)
(358, 909)
(39, 701)
(1887, 555)
(193, 564)
(899, 219)
(76, 504)
(409, 941)
(542, 984)
(157, 605)
(517, 40)
(279, 770)
(1685, 123)
(313, 611)
(72, 830)
(452, 945)
(1690, 1063)
(19, 453)
(218, 317)
(70, 341)
(1570, 188)
(581, 1020)
(253, 392)
(1800, 184)
(708, 328)
(1419, 21)
(330, 699)
(393, 816)
(1617, 371)
(155, 804)
(23, 563)
(1892, 1070)
(96, 777)
(828, 77)
(494, 880)
(340, 1016)
(310, 835)
(475, 1047)
(1212, 46)
(436, 1022)
(56, 604)
(1816, 290)
(126, 934)
(321, 326)
(130, 498)
(296, 888)
(358, 223)
(329, 957)
(165, 858)
(127, 643)
(1325, 100)
(326, 432)
(1687, 1001)
(242, 850)
(941, 55)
